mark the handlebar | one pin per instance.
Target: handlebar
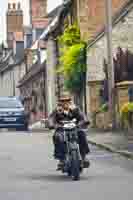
(79, 125)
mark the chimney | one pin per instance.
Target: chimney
(19, 6)
(9, 6)
(14, 6)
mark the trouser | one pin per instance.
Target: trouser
(60, 150)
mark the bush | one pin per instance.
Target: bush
(103, 108)
(125, 111)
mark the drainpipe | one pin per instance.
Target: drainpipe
(14, 93)
(30, 11)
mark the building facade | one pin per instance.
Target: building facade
(122, 55)
(11, 71)
(12, 66)
(32, 89)
(32, 84)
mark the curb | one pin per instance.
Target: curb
(43, 130)
(125, 154)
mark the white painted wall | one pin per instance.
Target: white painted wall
(10, 78)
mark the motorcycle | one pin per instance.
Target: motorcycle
(72, 164)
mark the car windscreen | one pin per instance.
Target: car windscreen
(10, 103)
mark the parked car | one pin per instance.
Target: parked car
(12, 114)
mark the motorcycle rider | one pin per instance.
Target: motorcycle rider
(65, 112)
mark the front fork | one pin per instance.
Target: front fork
(75, 147)
(71, 146)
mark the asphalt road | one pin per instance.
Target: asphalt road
(27, 172)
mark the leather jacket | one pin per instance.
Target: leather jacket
(56, 117)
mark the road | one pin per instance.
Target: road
(27, 172)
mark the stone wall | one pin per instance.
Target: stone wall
(91, 15)
(94, 95)
(33, 92)
(122, 37)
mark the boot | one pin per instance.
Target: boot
(86, 163)
(60, 165)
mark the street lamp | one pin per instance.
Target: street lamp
(111, 80)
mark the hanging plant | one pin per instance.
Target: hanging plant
(70, 36)
(73, 58)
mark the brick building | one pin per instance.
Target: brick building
(38, 19)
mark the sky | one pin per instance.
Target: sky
(3, 7)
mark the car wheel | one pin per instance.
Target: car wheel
(23, 128)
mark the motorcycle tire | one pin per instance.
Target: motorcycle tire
(69, 173)
(75, 166)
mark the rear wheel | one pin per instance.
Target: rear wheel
(75, 172)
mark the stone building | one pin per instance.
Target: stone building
(32, 89)
(90, 15)
(122, 54)
(32, 84)
(12, 66)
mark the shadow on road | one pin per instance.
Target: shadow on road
(49, 177)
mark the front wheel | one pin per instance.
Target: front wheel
(23, 128)
(75, 166)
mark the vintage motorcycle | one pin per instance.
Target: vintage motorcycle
(72, 164)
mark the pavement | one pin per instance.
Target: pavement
(38, 126)
(116, 142)
(28, 172)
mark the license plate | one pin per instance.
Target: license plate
(10, 119)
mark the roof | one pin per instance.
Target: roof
(54, 12)
(53, 23)
(4, 64)
(122, 11)
(34, 70)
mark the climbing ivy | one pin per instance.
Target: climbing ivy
(73, 58)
